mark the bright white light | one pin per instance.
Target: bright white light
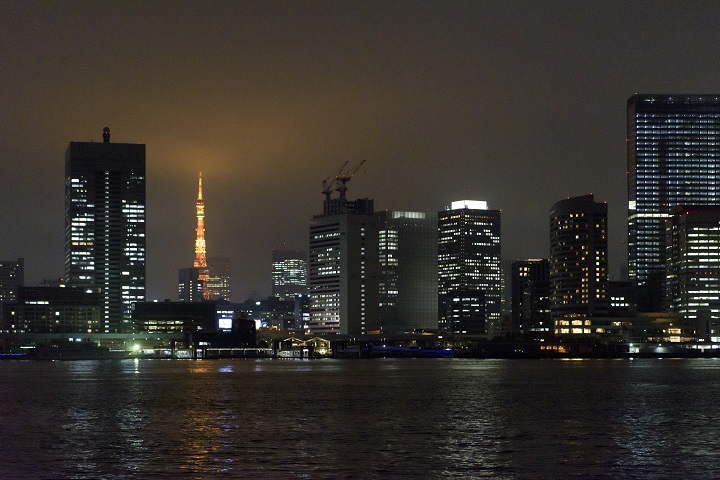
(471, 204)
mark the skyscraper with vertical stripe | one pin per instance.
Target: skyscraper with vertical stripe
(105, 226)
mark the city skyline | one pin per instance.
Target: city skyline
(267, 99)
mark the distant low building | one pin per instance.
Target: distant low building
(219, 278)
(190, 285)
(12, 276)
(176, 317)
(289, 273)
(53, 310)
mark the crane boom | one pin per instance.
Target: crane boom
(343, 178)
(327, 187)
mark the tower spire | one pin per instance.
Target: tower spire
(200, 253)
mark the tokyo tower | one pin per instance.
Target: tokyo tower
(200, 254)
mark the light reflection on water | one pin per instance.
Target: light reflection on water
(501, 419)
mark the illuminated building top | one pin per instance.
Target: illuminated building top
(471, 204)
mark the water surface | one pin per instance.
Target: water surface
(435, 418)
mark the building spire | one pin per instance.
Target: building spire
(200, 253)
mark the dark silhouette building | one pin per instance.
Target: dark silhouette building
(176, 317)
(530, 296)
(12, 276)
(408, 271)
(191, 287)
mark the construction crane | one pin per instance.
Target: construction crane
(327, 184)
(343, 178)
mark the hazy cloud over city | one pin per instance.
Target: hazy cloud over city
(516, 103)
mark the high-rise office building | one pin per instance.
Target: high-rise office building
(289, 273)
(693, 265)
(219, 273)
(190, 286)
(530, 295)
(343, 267)
(105, 226)
(12, 276)
(673, 158)
(408, 271)
(578, 257)
(469, 268)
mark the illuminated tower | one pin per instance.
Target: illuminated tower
(200, 255)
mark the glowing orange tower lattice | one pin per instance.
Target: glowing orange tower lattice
(200, 254)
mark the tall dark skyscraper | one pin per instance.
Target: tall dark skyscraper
(530, 295)
(578, 257)
(105, 226)
(408, 271)
(673, 158)
(469, 279)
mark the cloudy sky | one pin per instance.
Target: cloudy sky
(517, 103)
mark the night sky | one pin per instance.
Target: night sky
(520, 104)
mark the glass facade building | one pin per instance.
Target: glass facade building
(219, 273)
(105, 226)
(693, 266)
(673, 158)
(289, 273)
(469, 266)
(408, 271)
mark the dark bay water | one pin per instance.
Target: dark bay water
(505, 419)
